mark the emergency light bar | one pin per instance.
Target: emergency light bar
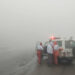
(53, 38)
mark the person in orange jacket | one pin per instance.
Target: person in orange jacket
(56, 52)
(39, 52)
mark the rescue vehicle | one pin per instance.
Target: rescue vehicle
(67, 52)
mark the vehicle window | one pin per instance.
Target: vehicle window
(68, 44)
(59, 43)
(73, 44)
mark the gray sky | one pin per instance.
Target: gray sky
(23, 22)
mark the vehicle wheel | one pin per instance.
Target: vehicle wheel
(70, 61)
(59, 60)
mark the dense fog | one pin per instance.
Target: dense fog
(24, 22)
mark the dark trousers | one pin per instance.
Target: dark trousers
(50, 59)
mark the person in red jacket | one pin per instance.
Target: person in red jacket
(39, 52)
(56, 52)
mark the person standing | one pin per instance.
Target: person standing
(56, 52)
(39, 52)
(50, 53)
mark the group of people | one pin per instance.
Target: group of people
(52, 51)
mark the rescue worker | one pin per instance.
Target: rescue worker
(39, 52)
(50, 53)
(51, 43)
(56, 53)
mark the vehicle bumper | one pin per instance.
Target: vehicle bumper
(65, 59)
